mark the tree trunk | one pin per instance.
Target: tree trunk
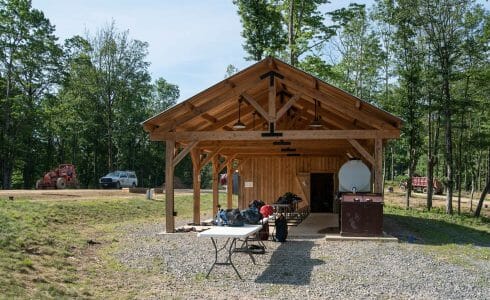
(485, 190)
(409, 188)
(460, 152)
(430, 157)
(392, 165)
(8, 158)
(482, 198)
(448, 137)
(291, 33)
(472, 190)
(460, 162)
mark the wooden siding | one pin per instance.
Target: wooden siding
(274, 176)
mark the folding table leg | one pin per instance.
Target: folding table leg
(230, 252)
(228, 261)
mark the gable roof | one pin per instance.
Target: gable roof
(295, 92)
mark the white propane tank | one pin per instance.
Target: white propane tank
(354, 176)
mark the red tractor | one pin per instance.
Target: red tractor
(63, 176)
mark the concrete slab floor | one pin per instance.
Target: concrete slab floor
(326, 225)
(316, 225)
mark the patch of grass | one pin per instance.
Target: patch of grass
(39, 239)
(456, 238)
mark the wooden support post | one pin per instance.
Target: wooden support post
(229, 185)
(169, 186)
(272, 99)
(196, 185)
(378, 166)
(215, 185)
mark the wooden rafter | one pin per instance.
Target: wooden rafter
(207, 105)
(343, 108)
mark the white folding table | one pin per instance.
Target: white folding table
(232, 234)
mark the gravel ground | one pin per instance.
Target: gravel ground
(311, 269)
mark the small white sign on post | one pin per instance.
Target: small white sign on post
(249, 184)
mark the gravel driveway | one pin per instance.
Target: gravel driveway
(310, 269)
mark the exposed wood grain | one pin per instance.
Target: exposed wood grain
(256, 105)
(287, 134)
(169, 186)
(196, 185)
(229, 185)
(287, 106)
(362, 151)
(184, 152)
(378, 166)
(215, 184)
(209, 157)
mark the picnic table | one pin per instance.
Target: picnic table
(232, 235)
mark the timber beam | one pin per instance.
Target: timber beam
(286, 135)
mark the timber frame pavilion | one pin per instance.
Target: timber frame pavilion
(273, 104)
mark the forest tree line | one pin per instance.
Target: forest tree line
(82, 100)
(426, 61)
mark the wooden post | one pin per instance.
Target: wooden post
(229, 185)
(378, 166)
(196, 184)
(169, 186)
(215, 185)
(272, 100)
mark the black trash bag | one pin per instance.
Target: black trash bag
(281, 228)
(252, 216)
(257, 204)
(234, 217)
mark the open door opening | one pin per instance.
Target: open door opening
(322, 193)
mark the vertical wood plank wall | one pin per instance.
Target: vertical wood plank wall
(274, 176)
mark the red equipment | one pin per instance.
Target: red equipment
(420, 184)
(64, 175)
(266, 211)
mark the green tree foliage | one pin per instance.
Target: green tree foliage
(361, 56)
(262, 28)
(164, 95)
(29, 70)
(81, 103)
(426, 61)
(290, 29)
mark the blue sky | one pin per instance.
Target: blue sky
(191, 42)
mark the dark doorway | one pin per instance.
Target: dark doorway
(322, 192)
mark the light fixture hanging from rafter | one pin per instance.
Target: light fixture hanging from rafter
(239, 124)
(316, 123)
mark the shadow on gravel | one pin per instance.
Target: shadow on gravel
(290, 264)
(433, 232)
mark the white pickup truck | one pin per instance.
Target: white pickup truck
(119, 179)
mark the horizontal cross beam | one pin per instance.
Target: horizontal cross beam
(286, 135)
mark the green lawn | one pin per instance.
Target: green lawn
(40, 239)
(44, 243)
(459, 238)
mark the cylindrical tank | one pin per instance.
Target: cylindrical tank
(354, 176)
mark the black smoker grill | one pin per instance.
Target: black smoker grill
(361, 214)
